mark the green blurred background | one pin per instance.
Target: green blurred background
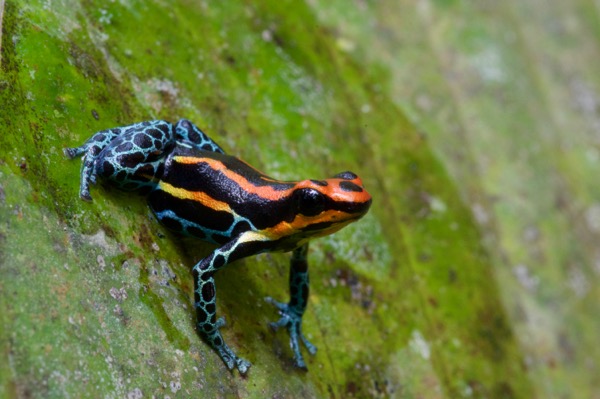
(474, 125)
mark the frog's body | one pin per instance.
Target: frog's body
(195, 189)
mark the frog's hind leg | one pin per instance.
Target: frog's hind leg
(189, 134)
(129, 156)
(135, 159)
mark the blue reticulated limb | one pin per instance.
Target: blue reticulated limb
(189, 133)
(205, 295)
(291, 312)
(134, 158)
(90, 151)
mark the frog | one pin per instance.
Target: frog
(195, 189)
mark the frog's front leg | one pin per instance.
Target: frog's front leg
(291, 312)
(247, 244)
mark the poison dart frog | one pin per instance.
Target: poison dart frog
(195, 189)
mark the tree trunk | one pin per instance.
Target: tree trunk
(475, 127)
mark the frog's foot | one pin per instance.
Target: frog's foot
(74, 152)
(293, 321)
(88, 171)
(214, 338)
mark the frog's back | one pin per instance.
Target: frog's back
(214, 196)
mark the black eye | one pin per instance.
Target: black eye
(309, 202)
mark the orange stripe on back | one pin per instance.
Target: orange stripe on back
(267, 192)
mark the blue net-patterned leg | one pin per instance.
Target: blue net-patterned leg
(291, 312)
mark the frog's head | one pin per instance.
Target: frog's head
(322, 207)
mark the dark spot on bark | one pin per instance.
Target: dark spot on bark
(230, 59)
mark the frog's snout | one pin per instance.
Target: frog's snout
(351, 190)
(350, 181)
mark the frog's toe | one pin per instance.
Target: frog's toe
(299, 363)
(232, 361)
(293, 322)
(214, 338)
(242, 365)
(72, 152)
(279, 305)
(85, 195)
(295, 333)
(284, 320)
(220, 322)
(309, 346)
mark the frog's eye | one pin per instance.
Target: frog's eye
(309, 202)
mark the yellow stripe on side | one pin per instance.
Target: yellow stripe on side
(198, 196)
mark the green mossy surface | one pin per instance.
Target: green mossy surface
(474, 127)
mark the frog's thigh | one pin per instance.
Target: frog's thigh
(136, 155)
